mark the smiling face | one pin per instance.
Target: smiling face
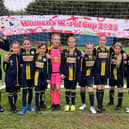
(102, 40)
(27, 45)
(56, 40)
(71, 42)
(42, 49)
(117, 49)
(89, 48)
(15, 48)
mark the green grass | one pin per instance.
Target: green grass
(48, 119)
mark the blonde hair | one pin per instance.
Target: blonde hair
(102, 36)
(55, 34)
(14, 42)
(117, 44)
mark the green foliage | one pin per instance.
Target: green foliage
(83, 8)
(3, 10)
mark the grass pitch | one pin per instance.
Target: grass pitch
(48, 119)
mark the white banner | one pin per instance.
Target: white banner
(12, 25)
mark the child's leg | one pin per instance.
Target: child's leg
(67, 96)
(42, 99)
(57, 90)
(24, 97)
(111, 95)
(102, 95)
(57, 97)
(1, 109)
(98, 96)
(91, 96)
(15, 98)
(73, 96)
(11, 102)
(83, 94)
(37, 100)
(120, 98)
(30, 95)
(52, 94)
(52, 90)
(83, 100)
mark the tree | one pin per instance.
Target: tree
(3, 10)
(82, 8)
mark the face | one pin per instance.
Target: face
(102, 41)
(56, 41)
(71, 42)
(89, 49)
(42, 50)
(117, 49)
(27, 45)
(15, 48)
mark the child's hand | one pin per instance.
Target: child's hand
(82, 53)
(6, 57)
(21, 65)
(48, 56)
(48, 81)
(62, 76)
(124, 56)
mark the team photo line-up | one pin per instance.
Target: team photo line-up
(30, 68)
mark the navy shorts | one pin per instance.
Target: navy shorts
(27, 84)
(12, 88)
(88, 81)
(100, 80)
(41, 86)
(70, 84)
(118, 83)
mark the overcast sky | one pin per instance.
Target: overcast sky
(16, 5)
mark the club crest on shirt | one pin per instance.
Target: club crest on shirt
(44, 59)
(86, 58)
(32, 52)
(75, 54)
(23, 53)
(11, 62)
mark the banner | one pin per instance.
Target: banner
(13, 25)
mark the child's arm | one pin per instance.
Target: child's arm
(49, 70)
(4, 43)
(5, 63)
(63, 65)
(79, 66)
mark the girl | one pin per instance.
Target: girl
(71, 65)
(27, 74)
(101, 70)
(54, 76)
(87, 77)
(117, 72)
(40, 77)
(12, 75)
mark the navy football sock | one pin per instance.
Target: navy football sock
(82, 94)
